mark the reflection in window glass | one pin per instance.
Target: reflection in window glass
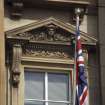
(34, 85)
(58, 87)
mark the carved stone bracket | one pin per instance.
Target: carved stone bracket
(17, 53)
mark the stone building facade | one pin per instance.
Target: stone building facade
(27, 42)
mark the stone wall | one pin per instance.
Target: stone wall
(101, 30)
(94, 79)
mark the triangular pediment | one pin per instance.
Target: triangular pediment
(48, 30)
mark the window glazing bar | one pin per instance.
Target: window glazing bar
(46, 88)
(28, 100)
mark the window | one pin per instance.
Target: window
(47, 88)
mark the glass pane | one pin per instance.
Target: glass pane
(58, 86)
(34, 85)
(34, 103)
(57, 103)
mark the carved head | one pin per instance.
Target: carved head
(51, 29)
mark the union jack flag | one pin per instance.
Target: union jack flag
(81, 81)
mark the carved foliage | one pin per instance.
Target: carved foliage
(48, 51)
(47, 54)
(17, 52)
(49, 33)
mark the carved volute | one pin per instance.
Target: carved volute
(17, 53)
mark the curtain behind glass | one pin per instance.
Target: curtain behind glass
(58, 87)
(34, 85)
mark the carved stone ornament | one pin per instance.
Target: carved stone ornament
(17, 53)
(47, 54)
(49, 33)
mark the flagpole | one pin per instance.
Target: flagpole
(77, 13)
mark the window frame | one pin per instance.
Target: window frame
(47, 69)
(46, 72)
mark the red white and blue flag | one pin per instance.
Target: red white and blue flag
(81, 81)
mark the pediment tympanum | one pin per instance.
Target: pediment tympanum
(48, 31)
